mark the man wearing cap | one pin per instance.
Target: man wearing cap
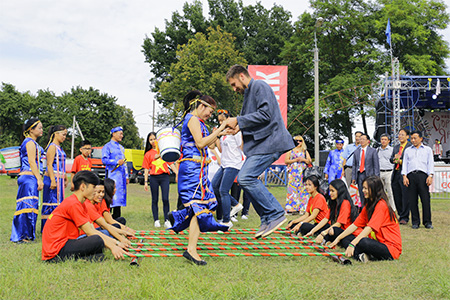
(386, 167)
(333, 166)
(113, 157)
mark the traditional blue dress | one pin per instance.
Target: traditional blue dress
(194, 187)
(333, 166)
(112, 152)
(51, 198)
(27, 203)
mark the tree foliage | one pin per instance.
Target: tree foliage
(95, 112)
(259, 33)
(202, 64)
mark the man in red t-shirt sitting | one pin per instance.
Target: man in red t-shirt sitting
(59, 238)
(82, 162)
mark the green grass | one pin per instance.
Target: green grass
(422, 272)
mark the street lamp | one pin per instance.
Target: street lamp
(319, 22)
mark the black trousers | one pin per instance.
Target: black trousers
(162, 181)
(307, 227)
(336, 232)
(375, 250)
(116, 212)
(418, 187)
(90, 248)
(400, 192)
(236, 194)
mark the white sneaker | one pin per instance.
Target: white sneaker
(229, 224)
(236, 209)
(219, 221)
(234, 219)
(157, 224)
(364, 258)
(167, 224)
(244, 217)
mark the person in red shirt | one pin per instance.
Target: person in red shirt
(104, 194)
(99, 222)
(159, 177)
(82, 161)
(316, 209)
(380, 239)
(342, 212)
(59, 238)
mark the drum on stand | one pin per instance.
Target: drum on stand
(169, 140)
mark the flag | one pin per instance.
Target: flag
(438, 87)
(388, 33)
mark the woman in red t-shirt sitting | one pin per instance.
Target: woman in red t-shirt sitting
(380, 239)
(159, 177)
(317, 209)
(342, 213)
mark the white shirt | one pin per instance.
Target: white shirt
(232, 155)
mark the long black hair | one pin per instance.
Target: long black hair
(343, 195)
(316, 182)
(109, 191)
(148, 145)
(376, 194)
(29, 125)
(189, 105)
(52, 130)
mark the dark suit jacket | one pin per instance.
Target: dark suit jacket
(395, 151)
(371, 164)
(260, 122)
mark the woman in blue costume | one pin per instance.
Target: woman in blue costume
(113, 157)
(194, 187)
(30, 183)
(333, 166)
(55, 179)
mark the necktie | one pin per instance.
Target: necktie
(361, 165)
(400, 153)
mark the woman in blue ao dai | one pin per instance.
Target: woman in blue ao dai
(30, 183)
(55, 179)
(194, 187)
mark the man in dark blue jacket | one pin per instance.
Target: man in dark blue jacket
(265, 140)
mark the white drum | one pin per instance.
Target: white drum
(12, 157)
(169, 140)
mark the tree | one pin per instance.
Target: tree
(353, 53)
(202, 64)
(415, 39)
(96, 114)
(259, 33)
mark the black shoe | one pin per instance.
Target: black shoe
(403, 222)
(190, 258)
(415, 226)
(429, 226)
(171, 218)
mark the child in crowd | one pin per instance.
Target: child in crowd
(59, 238)
(82, 161)
(316, 209)
(380, 238)
(342, 213)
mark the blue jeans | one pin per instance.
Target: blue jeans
(221, 183)
(265, 204)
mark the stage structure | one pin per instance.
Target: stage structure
(414, 102)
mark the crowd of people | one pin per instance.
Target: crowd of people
(389, 181)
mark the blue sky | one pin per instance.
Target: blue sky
(57, 45)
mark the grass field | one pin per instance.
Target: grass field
(422, 272)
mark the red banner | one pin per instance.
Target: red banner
(276, 77)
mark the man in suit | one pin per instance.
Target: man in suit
(365, 164)
(398, 188)
(265, 140)
(417, 171)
